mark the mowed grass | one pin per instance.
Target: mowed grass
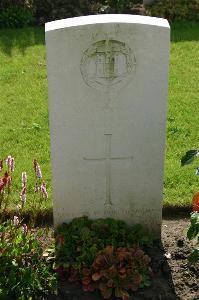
(183, 113)
(24, 128)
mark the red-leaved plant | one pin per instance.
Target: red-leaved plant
(116, 271)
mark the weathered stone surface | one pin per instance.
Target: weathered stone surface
(107, 79)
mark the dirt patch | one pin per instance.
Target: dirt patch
(185, 277)
(174, 277)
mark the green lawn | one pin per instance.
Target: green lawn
(24, 131)
(183, 113)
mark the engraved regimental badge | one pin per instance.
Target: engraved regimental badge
(107, 64)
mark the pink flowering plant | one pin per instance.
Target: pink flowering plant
(8, 198)
(26, 254)
(26, 268)
(40, 191)
(5, 183)
(40, 185)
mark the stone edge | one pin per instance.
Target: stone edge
(106, 19)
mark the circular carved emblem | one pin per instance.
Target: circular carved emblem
(107, 63)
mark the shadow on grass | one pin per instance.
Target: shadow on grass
(44, 217)
(20, 39)
(184, 31)
(176, 212)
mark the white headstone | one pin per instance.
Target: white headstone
(107, 79)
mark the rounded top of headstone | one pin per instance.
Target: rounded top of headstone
(103, 19)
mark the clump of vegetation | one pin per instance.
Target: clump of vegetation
(193, 234)
(193, 231)
(44, 11)
(26, 265)
(79, 241)
(26, 268)
(116, 271)
(16, 16)
(104, 255)
(7, 167)
(189, 157)
(175, 10)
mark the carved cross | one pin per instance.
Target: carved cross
(108, 160)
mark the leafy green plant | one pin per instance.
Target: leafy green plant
(175, 10)
(7, 166)
(48, 10)
(81, 243)
(78, 242)
(7, 3)
(118, 6)
(189, 157)
(193, 234)
(26, 269)
(16, 16)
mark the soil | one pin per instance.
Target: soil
(174, 277)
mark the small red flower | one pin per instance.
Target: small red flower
(4, 181)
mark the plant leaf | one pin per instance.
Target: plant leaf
(110, 283)
(192, 232)
(118, 293)
(121, 293)
(194, 218)
(96, 276)
(125, 295)
(106, 293)
(194, 256)
(189, 157)
(86, 280)
(109, 250)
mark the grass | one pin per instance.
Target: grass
(24, 130)
(182, 121)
